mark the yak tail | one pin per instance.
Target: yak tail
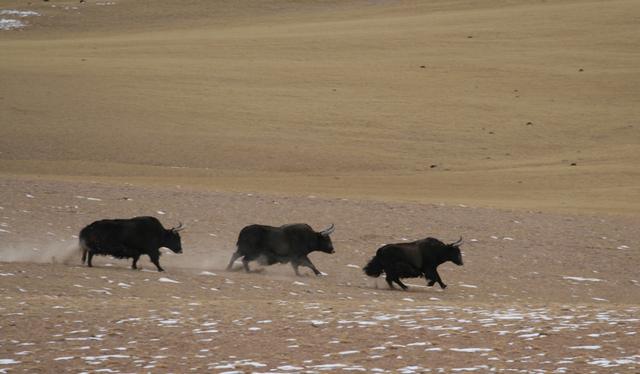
(374, 267)
(84, 249)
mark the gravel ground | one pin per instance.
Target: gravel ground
(538, 292)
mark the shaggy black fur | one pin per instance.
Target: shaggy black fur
(128, 238)
(411, 260)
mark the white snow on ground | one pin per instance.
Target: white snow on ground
(603, 362)
(8, 361)
(481, 367)
(88, 198)
(18, 13)
(10, 24)
(64, 358)
(168, 322)
(328, 366)
(586, 347)
(471, 350)
(416, 344)
(348, 352)
(103, 357)
(581, 279)
(167, 280)
(290, 367)
(468, 285)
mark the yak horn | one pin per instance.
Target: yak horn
(179, 228)
(328, 231)
(457, 242)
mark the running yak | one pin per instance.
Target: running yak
(289, 243)
(415, 259)
(129, 238)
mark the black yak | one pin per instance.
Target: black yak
(129, 238)
(289, 243)
(412, 260)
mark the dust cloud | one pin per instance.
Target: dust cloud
(197, 258)
(51, 252)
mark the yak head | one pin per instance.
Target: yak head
(172, 238)
(453, 252)
(324, 240)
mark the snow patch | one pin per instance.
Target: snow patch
(167, 280)
(468, 285)
(10, 24)
(8, 361)
(590, 347)
(581, 279)
(18, 13)
(471, 350)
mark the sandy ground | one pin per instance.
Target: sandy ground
(511, 123)
(357, 98)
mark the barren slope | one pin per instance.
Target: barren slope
(483, 102)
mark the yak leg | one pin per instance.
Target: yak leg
(155, 258)
(304, 261)
(392, 278)
(245, 263)
(234, 257)
(439, 280)
(134, 266)
(84, 255)
(295, 265)
(89, 258)
(389, 282)
(434, 277)
(404, 286)
(429, 277)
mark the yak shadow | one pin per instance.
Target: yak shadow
(240, 268)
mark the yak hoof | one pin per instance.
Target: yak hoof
(443, 286)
